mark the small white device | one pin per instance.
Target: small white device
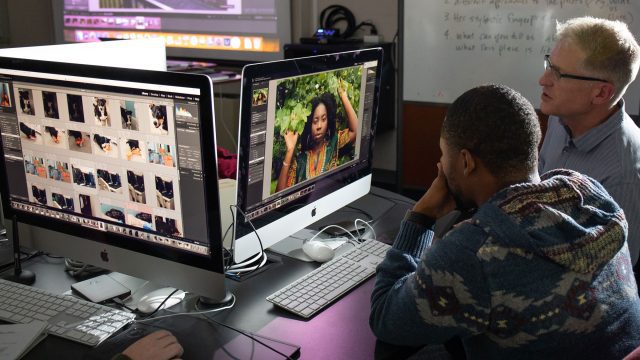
(318, 251)
(101, 288)
(150, 302)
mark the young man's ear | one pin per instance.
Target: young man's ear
(468, 162)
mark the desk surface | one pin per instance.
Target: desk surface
(340, 331)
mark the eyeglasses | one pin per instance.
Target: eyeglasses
(558, 75)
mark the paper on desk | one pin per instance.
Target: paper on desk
(17, 339)
(149, 54)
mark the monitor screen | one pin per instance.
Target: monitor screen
(121, 159)
(306, 139)
(237, 30)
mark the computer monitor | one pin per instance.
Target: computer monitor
(331, 142)
(114, 167)
(219, 30)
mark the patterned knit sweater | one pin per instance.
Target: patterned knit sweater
(540, 271)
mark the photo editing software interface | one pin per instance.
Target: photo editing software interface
(112, 156)
(325, 120)
(248, 26)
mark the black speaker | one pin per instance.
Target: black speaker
(386, 105)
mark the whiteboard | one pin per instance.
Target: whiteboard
(450, 46)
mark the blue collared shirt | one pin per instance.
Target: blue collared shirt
(609, 153)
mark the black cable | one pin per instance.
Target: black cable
(233, 357)
(159, 306)
(372, 28)
(227, 231)
(242, 332)
(250, 223)
(212, 322)
(258, 260)
(226, 254)
(6, 266)
(394, 57)
(226, 257)
(333, 14)
(233, 239)
(80, 269)
(29, 256)
(118, 302)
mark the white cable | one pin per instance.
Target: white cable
(355, 222)
(255, 258)
(330, 226)
(244, 270)
(259, 257)
(239, 268)
(250, 223)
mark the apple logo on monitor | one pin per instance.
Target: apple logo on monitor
(313, 212)
(104, 255)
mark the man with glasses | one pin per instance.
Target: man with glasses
(585, 77)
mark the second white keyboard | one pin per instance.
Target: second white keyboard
(66, 316)
(314, 291)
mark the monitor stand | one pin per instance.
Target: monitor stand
(376, 207)
(140, 288)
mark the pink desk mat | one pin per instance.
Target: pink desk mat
(340, 331)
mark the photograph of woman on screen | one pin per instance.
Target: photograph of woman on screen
(5, 101)
(320, 141)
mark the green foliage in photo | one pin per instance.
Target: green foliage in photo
(293, 104)
(293, 101)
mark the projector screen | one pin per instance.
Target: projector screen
(234, 30)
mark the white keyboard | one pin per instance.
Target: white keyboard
(314, 291)
(66, 316)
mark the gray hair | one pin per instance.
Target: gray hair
(611, 51)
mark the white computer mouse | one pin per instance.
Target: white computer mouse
(318, 251)
(149, 302)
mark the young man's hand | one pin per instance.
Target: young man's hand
(158, 345)
(437, 201)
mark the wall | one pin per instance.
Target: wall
(4, 24)
(30, 22)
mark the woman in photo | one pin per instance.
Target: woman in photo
(4, 97)
(319, 143)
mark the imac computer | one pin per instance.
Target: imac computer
(233, 30)
(115, 168)
(306, 136)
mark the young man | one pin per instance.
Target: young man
(542, 268)
(587, 73)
